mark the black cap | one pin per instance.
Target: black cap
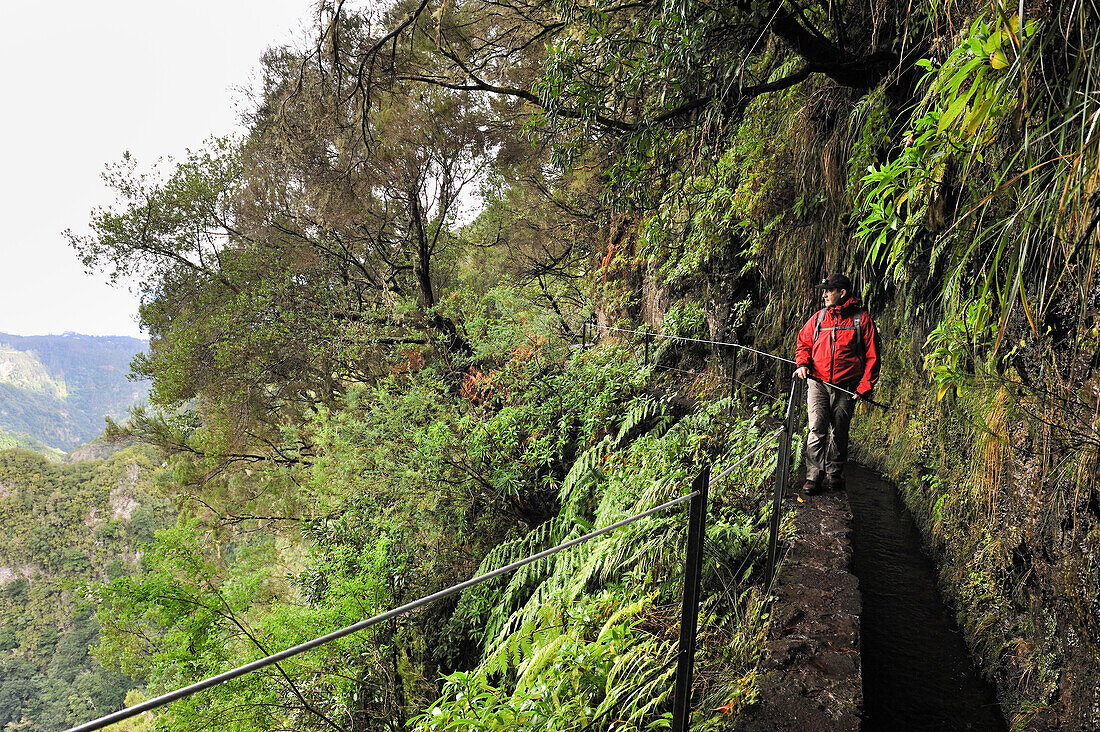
(835, 281)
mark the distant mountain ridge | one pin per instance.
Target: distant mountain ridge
(56, 389)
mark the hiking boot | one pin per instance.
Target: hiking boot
(811, 487)
(834, 483)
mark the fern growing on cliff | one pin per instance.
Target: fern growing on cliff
(586, 639)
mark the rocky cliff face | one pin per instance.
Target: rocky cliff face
(64, 527)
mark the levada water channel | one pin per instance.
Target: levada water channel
(917, 673)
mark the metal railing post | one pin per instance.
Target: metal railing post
(733, 381)
(647, 346)
(782, 475)
(689, 611)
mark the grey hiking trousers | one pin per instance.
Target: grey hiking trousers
(830, 413)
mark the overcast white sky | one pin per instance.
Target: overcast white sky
(82, 83)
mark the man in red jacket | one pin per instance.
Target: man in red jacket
(838, 352)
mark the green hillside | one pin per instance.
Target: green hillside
(61, 527)
(9, 440)
(56, 390)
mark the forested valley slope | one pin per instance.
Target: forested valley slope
(75, 508)
(55, 390)
(62, 527)
(364, 384)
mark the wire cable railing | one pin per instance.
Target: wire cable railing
(773, 397)
(697, 497)
(771, 438)
(647, 334)
(650, 334)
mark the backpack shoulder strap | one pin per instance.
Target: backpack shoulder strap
(857, 323)
(817, 324)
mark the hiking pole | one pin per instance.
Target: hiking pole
(867, 399)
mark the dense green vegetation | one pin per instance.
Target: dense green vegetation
(360, 312)
(414, 490)
(56, 390)
(65, 526)
(14, 439)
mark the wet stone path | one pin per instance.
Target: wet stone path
(810, 674)
(860, 638)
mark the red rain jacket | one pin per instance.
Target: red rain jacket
(835, 356)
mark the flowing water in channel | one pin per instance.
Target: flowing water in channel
(917, 673)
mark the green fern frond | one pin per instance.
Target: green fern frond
(536, 663)
(627, 614)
